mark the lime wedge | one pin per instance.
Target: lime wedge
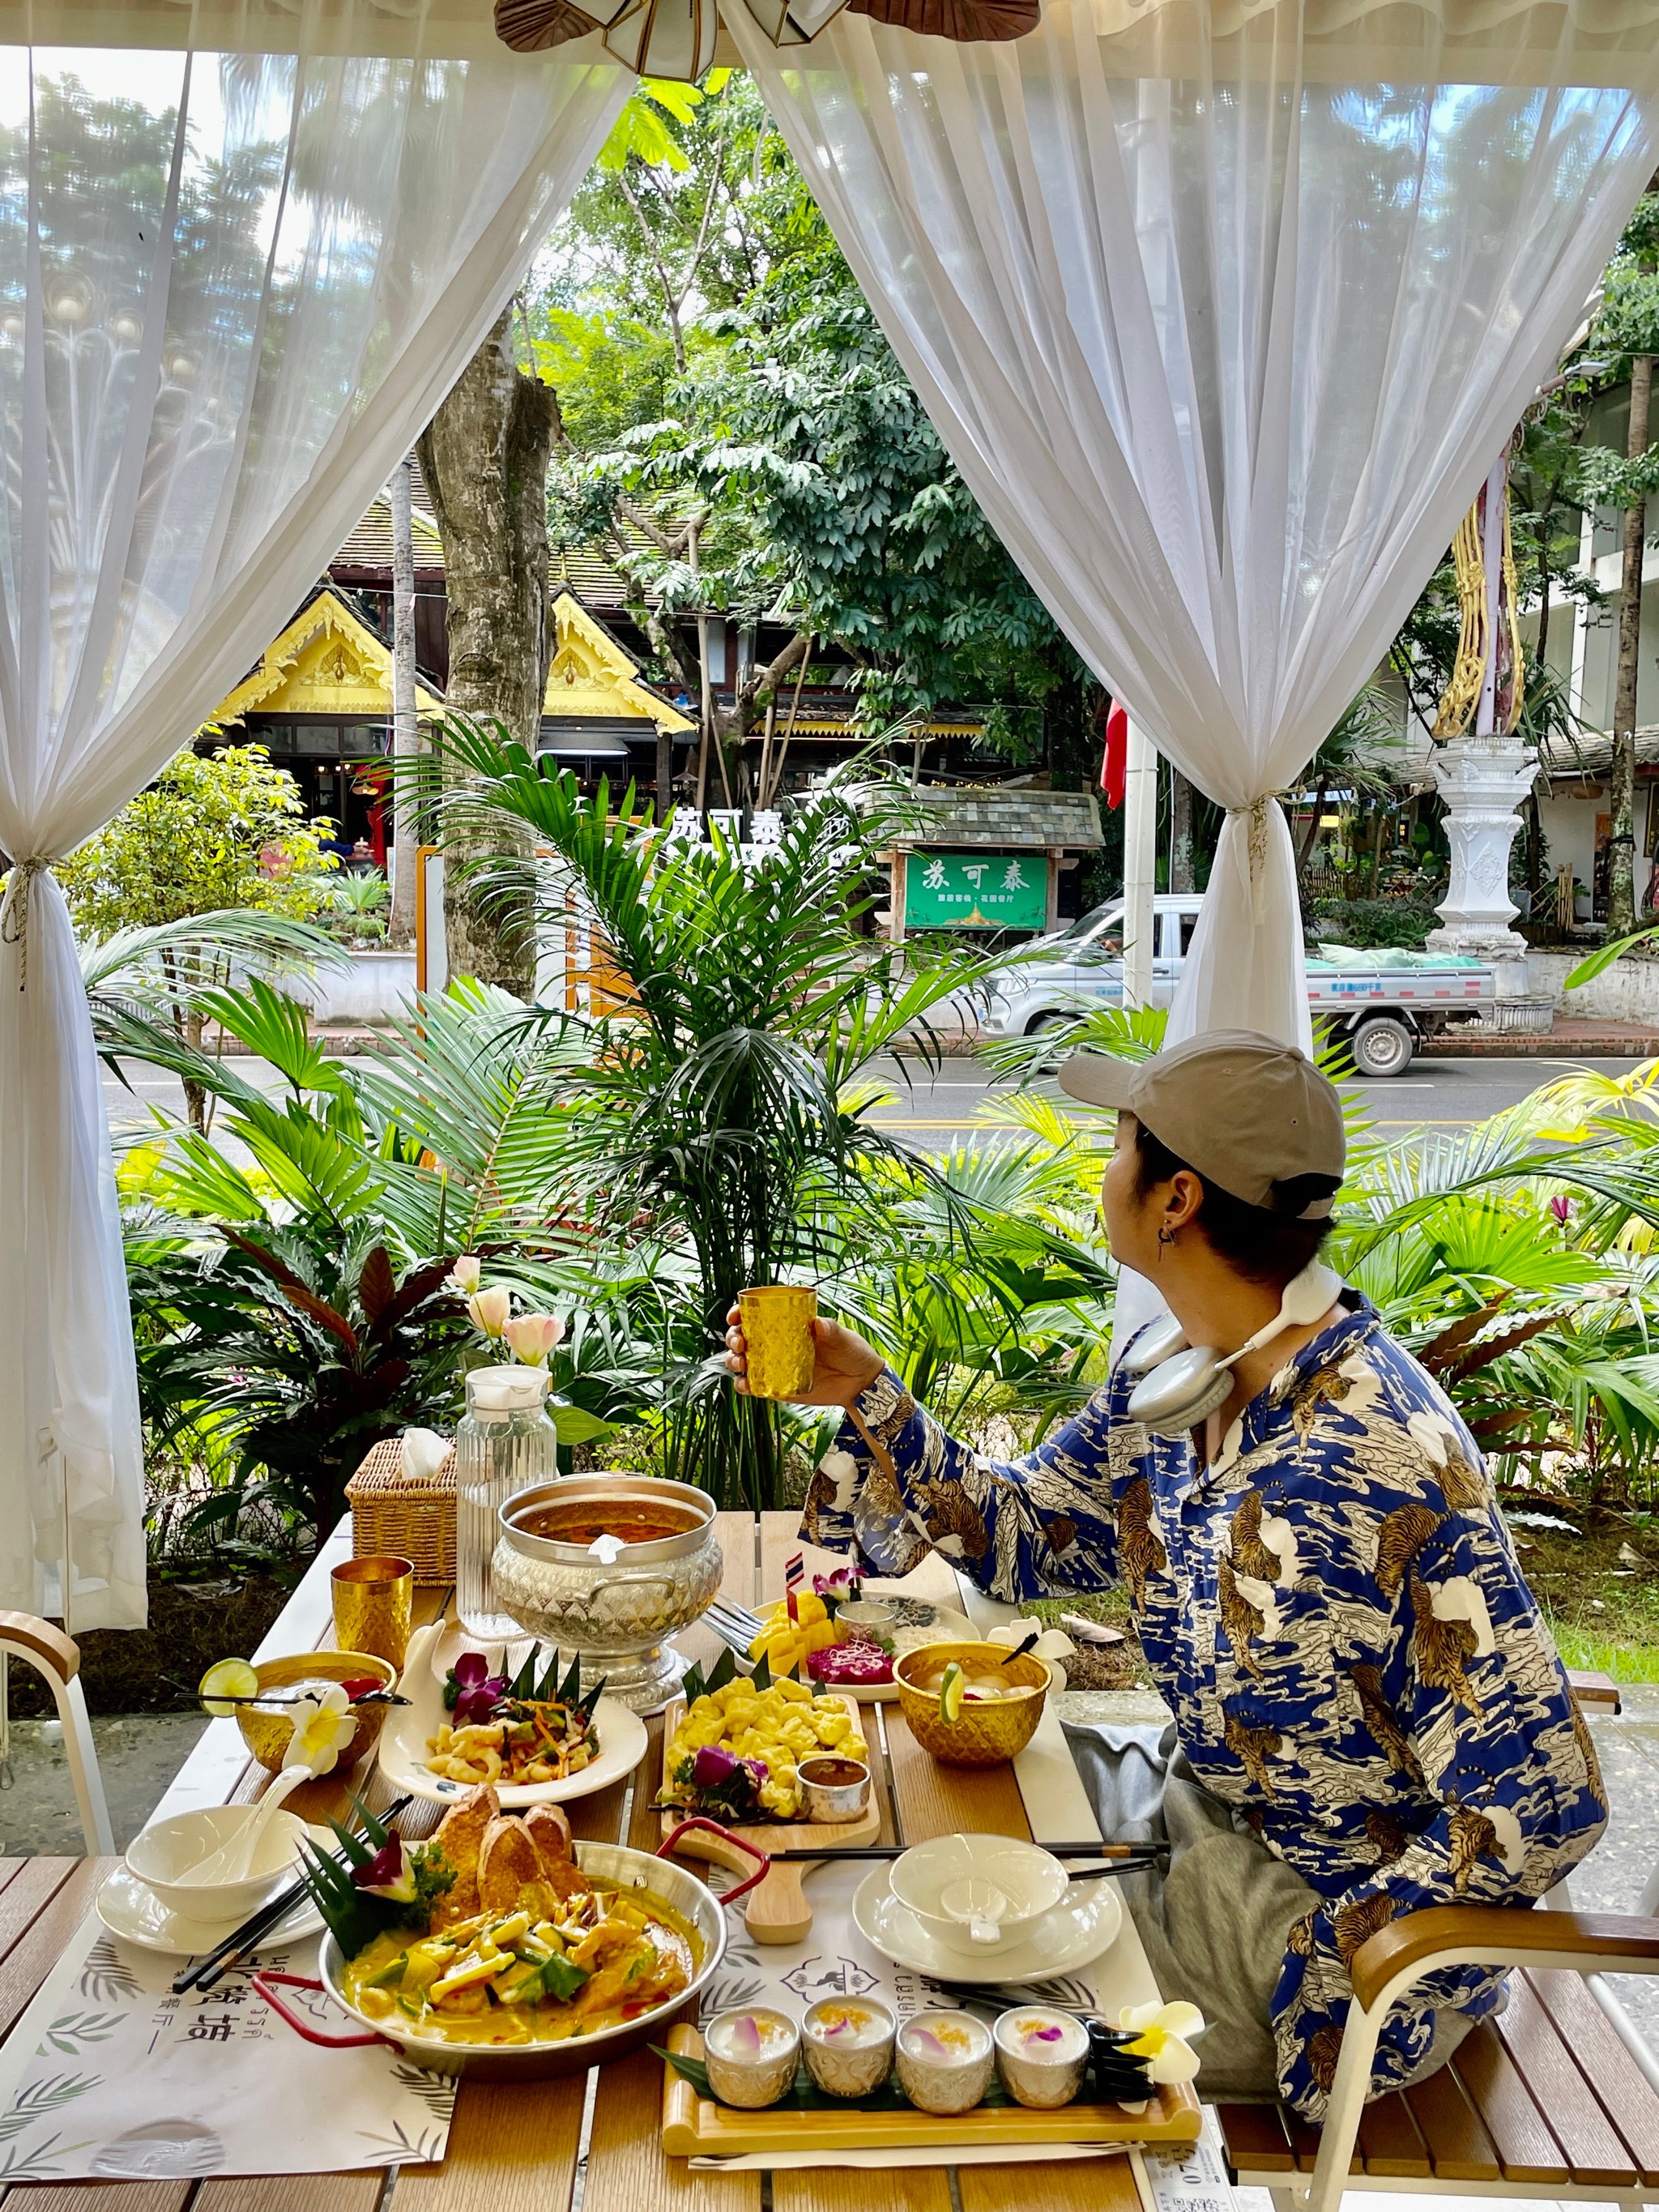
(950, 1692)
(228, 1678)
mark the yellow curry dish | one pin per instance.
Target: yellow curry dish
(491, 1935)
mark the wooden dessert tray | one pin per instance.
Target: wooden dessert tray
(777, 1911)
(696, 2127)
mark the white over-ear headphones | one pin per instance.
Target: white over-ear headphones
(1181, 1385)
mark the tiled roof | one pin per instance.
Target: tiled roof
(1007, 814)
(595, 582)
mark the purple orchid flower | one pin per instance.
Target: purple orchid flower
(477, 1691)
(390, 1874)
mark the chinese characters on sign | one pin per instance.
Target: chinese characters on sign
(977, 890)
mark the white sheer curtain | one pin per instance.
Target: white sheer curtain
(234, 284)
(1224, 319)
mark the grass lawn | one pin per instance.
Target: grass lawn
(1599, 1590)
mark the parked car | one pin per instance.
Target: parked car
(1380, 1004)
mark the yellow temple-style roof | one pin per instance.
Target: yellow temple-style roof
(592, 678)
(327, 662)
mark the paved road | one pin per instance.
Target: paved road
(1441, 1094)
(938, 1109)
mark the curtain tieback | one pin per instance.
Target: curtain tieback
(15, 910)
(1254, 817)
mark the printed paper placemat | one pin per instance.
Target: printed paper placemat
(108, 2076)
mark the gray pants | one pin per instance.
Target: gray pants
(1214, 1926)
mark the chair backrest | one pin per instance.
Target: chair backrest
(56, 1658)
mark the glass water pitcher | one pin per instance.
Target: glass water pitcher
(504, 1443)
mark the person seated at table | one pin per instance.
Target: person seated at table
(1368, 1714)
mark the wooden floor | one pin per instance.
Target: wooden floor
(1546, 2095)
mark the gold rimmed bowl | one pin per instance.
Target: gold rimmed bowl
(982, 1734)
(266, 1729)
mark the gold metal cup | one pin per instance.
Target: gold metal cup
(371, 1603)
(777, 1328)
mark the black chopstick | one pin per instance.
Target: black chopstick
(207, 1971)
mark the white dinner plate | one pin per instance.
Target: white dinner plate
(130, 1910)
(1082, 1925)
(409, 1727)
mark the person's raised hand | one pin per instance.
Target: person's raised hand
(843, 1363)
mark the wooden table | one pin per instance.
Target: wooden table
(516, 2147)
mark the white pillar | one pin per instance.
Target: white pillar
(1482, 779)
(1140, 863)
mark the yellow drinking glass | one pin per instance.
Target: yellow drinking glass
(371, 1603)
(777, 1328)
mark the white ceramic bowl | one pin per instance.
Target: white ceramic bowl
(167, 1849)
(951, 1882)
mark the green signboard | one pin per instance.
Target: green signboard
(975, 890)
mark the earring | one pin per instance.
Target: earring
(1165, 1236)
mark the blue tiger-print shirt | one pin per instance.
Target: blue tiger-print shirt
(1335, 1615)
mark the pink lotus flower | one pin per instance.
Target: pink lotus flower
(465, 1274)
(490, 1310)
(533, 1337)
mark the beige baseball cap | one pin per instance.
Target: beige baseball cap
(1243, 1110)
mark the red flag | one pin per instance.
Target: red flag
(1114, 768)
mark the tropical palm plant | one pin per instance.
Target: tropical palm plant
(723, 1102)
(289, 1280)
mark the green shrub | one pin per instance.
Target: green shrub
(1374, 924)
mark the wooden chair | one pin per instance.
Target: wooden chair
(1556, 2097)
(56, 1658)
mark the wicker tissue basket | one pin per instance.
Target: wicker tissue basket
(414, 1520)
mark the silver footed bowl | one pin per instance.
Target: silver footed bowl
(612, 1605)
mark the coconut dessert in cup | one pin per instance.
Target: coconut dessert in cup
(944, 2061)
(751, 2053)
(1042, 2055)
(848, 2042)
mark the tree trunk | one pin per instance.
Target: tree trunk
(1181, 831)
(484, 456)
(405, 729)
(1312, 832)
(1621, 847)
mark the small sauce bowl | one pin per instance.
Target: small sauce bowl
(868, 1617)
(751, 2053)
(849, 2044)
(833, 1787)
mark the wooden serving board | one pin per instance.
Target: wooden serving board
(696, 2127)
(777, 1912)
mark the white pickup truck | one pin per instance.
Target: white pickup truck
(1380, 1005)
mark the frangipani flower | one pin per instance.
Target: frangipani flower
(490, 1310)
(321, 1725)
(533, 1337)
(389, 1874)
(1162, 2035)
(465, 1274)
